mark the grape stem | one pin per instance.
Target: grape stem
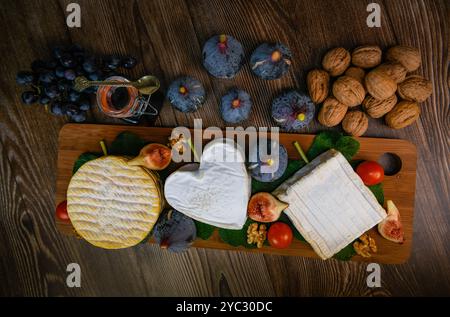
(300, 151)
(103, 146)
(191, 145)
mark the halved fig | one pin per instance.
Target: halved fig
(153, 156)
(391, 227)
(264, 207)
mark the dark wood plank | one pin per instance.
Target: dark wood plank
(167, 36)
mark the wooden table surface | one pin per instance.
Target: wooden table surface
(167, 37)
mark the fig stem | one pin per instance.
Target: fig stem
(191, 145)
(103, 146)
(137, 161)
(300, 151)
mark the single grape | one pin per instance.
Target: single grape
(70, 74)
(112, 62)
(73, 96)
(57, 109)
(44, 100)
(64, 85)
(24, 78)
(89, 65)
(79, 117)
(129, 62)
(52, 91)
(29, 97)
(57, 52)
(71, 109)
(68, 61)
(51, 64)
(59, 72)
(98, 75)
(85, 102)
(47, 77)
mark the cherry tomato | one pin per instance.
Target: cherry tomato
(61, 212)
(280, 235)
(370, 172)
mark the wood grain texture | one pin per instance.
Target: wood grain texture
(75, 139)
(167, 37)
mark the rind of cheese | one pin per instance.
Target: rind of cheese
(113, 205)
(329, 204)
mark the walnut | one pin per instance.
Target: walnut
(332, 112)
(403, 114)
(394, 70)
(336, 61)
(357, 73)
(408, 56)
(318, 82)
(177, 143)
(349, 91)
(366, 56)
(256, 234)
(355, 123)
(365, 245)
(379, 85)
(378, 108)
(415, 88)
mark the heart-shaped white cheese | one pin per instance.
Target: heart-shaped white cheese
(217, 192)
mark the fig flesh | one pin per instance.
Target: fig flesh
(153, 156)
(264, 207)
(391, 227)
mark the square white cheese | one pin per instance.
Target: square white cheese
(329, 204)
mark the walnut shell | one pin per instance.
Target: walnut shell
(394, 70)
(355, 123)
(408, 56)
(377, 108)
(336, 61)
(318, 82)
(349, 91)
(415, 88)
(332, 112)
(357, 73)
(379, 85)
(404, 114)
(367, 56)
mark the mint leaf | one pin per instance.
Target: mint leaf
(84, 158)
(126, 144)
(348, 146)
(346, 253)
(378, 191)
(323, 142)
(293, 166)
(204, 231)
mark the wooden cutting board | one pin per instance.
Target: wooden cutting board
(75, 139)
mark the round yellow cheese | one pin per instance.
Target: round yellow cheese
(113, 205)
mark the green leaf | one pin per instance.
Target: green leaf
(204, 231)
(323, 142)
(348, 146)
(126, 144)
(293, 166)
(346, 253)
(378, 191)
(327, 140)
(237, 237)
(84, 158)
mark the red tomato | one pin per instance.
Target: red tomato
(280, 235)
(370, 172)
(61, 212)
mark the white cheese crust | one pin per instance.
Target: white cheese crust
(329, 204)
(113, 205)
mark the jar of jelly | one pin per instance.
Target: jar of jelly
(123, 101)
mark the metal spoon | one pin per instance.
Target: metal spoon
(146, 85)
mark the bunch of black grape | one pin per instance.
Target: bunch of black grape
(51, 82)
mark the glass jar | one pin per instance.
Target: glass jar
(122, 101)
